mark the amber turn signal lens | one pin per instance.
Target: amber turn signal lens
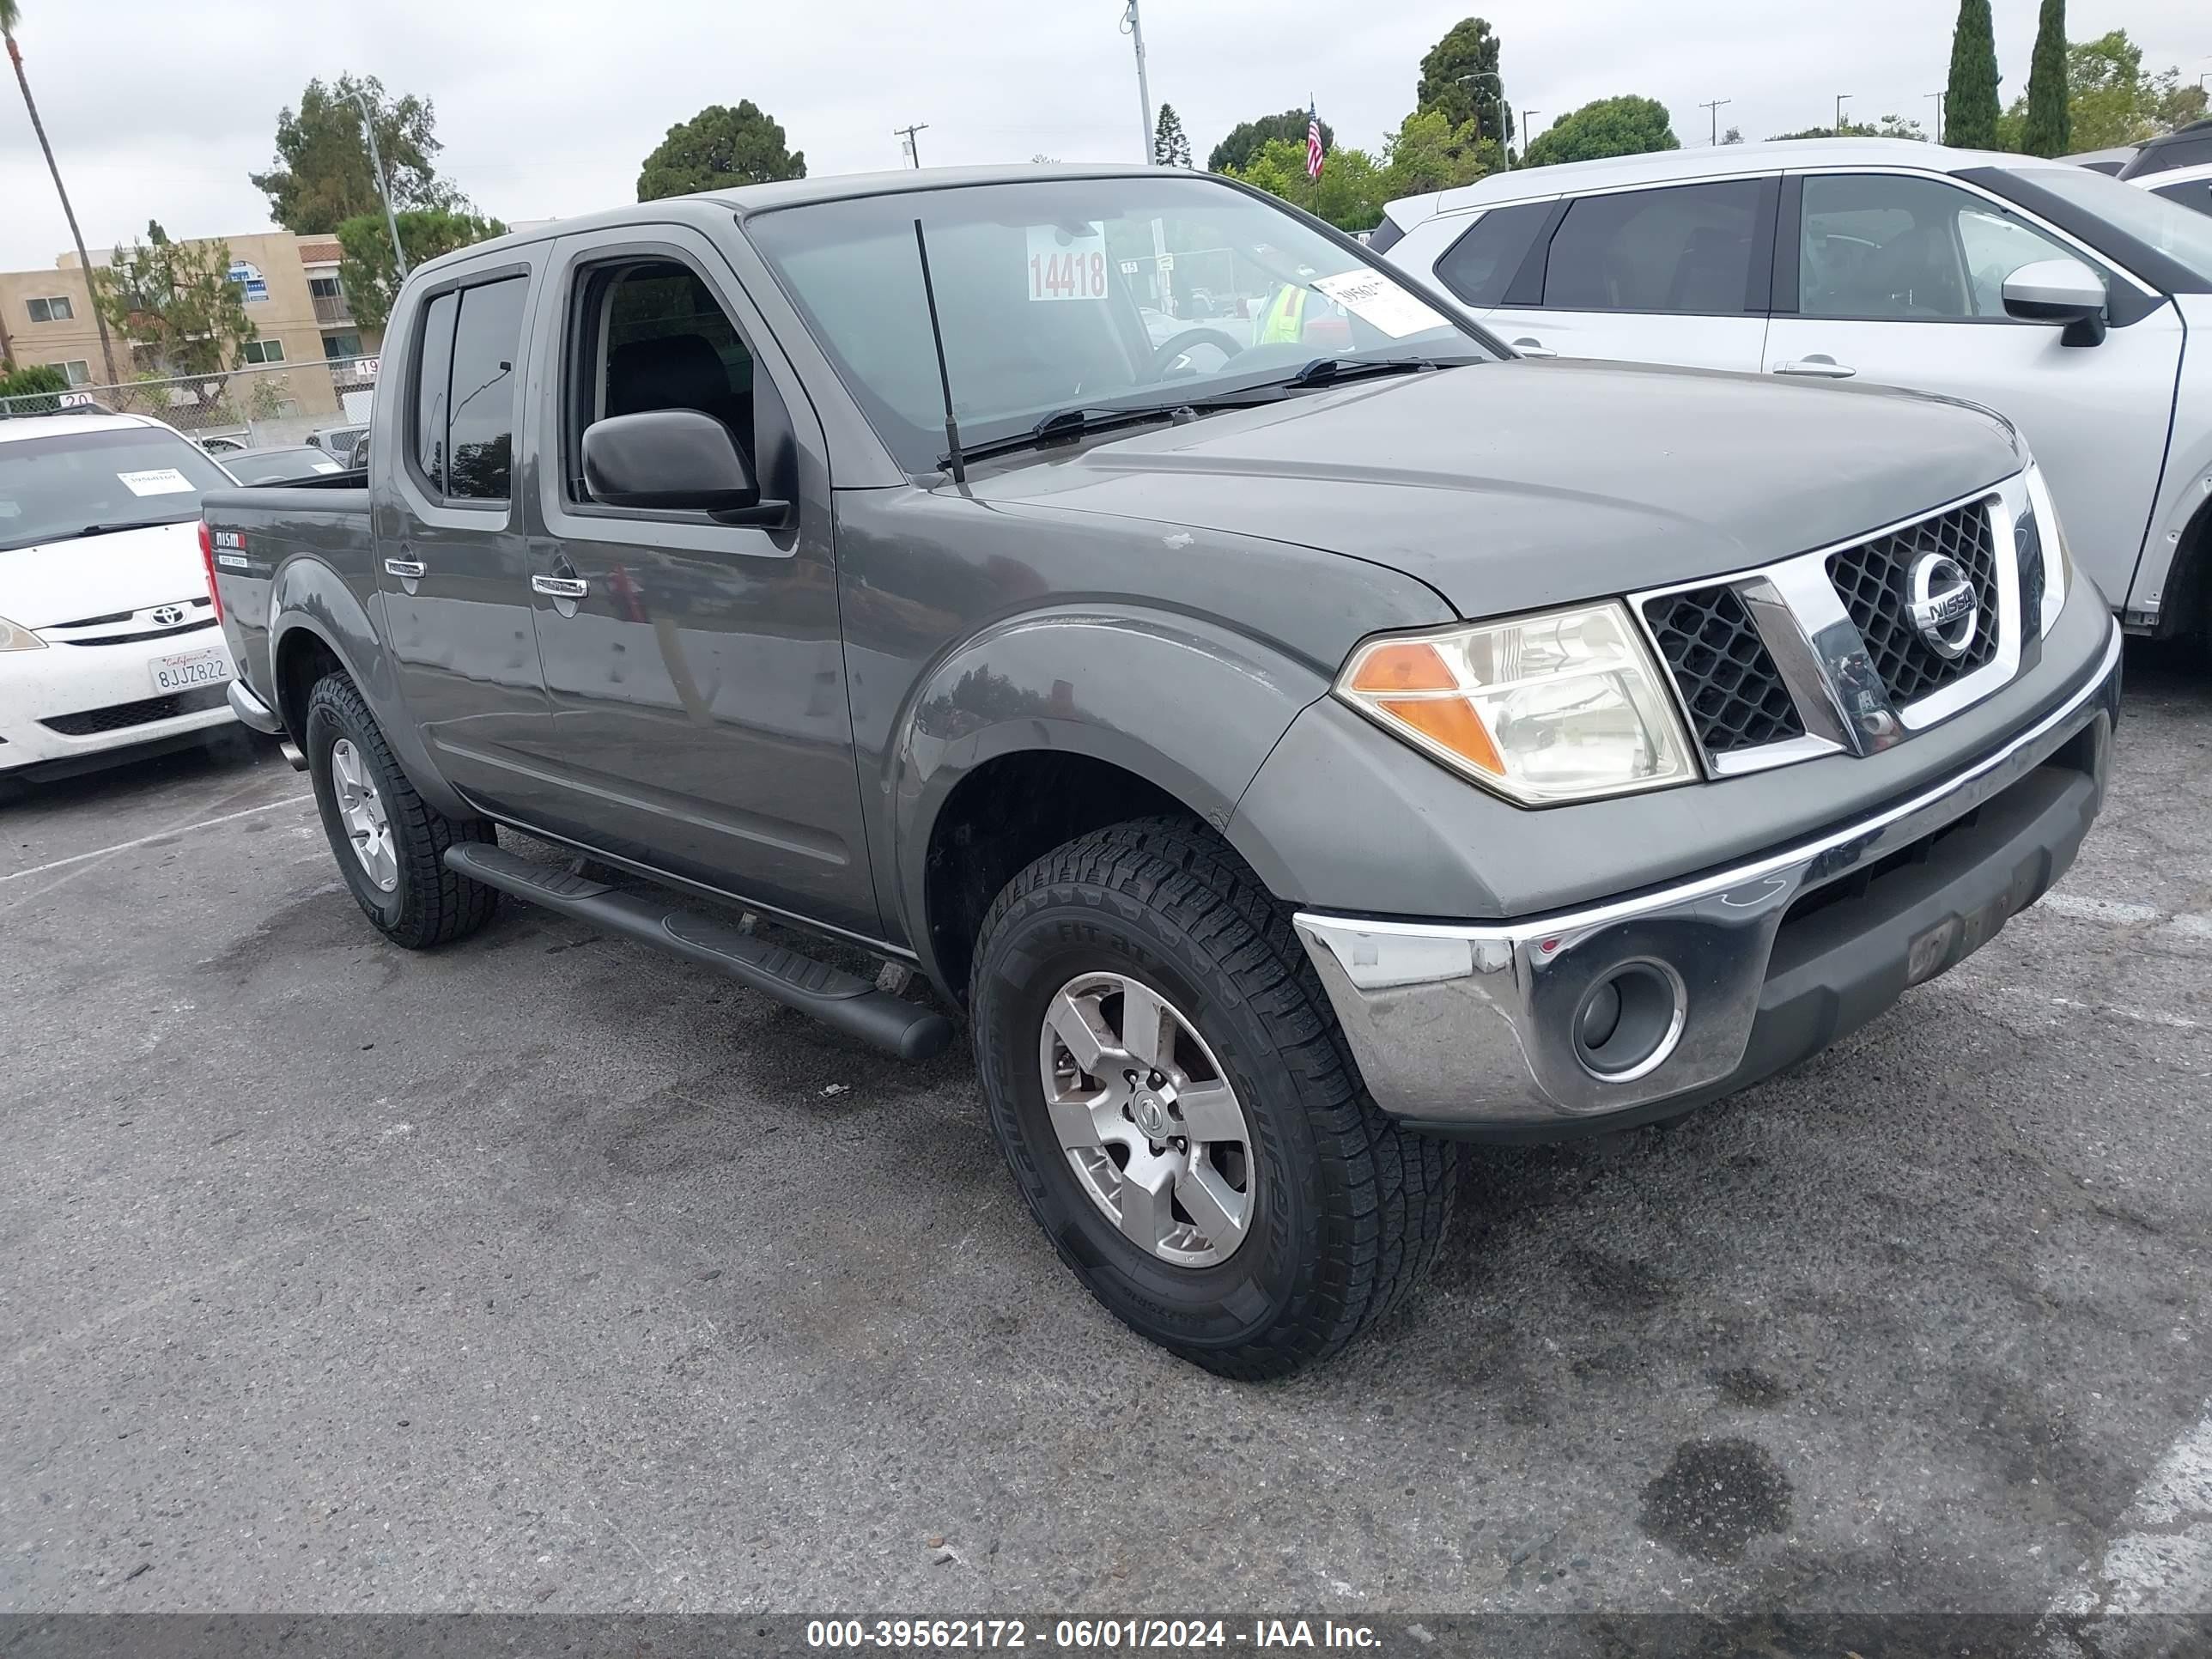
(1452, 722)
(1407, 666)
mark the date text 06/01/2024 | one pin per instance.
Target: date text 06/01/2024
(1081, 1634)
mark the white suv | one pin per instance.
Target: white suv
(2057, 296)
(109, 643)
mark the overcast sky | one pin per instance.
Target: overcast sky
(546, 109)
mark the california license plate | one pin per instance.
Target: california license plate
(210, 665)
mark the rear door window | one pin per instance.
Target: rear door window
(433, 374)
(1687, 249)
(480, 428)
(1481, 265)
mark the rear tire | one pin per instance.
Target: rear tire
(424, 904)
(1330, 1214)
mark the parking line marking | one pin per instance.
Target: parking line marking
(2161, 1563)
(159, 834)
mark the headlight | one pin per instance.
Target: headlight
(2058, 562)
(13, 636)
(1558, 707)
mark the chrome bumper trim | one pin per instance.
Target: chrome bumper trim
(1470, 1023)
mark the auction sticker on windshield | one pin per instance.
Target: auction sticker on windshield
(1065, 266)
(1380, 303)
(156, 481)
(186, 669)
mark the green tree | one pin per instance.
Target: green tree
(366, 271)
(31, 388)
(1970, 107)
(1890, 126)
(1247, 138)
(1460, 77)
(176, 303)
(719, 148)
(2109, 101)
(11, 16)
(2049, 129)
(1626, 125)
(322, 176)
(1351, 194)
(1427, 152)
(1170, 148)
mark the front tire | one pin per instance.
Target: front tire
(389, 842)
(1169, 1088)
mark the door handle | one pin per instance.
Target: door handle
(1529, 346)
(1817, 367)
(560, 587)
(408, 570)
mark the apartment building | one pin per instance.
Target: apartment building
(291, 291)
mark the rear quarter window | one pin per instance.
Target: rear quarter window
(1481, 265)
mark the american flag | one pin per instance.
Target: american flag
(1313, 143)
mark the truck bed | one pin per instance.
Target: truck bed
(323, 522)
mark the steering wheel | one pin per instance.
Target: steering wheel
(1171, 358)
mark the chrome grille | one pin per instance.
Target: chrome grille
(1873, 579)
(1730, 681)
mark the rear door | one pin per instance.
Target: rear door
(1677, 274)
(452, 559)
(1898, 279)
(694, 670)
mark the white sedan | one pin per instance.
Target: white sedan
(109, 644)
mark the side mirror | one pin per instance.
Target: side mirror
(2059, 291)
(673, 458)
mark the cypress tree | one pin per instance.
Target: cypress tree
(1970, 111)
(2050, 123)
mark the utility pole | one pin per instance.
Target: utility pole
(1528, 131)
(1938, 97)
(1842, 97)
(1714, 109)
(376, 167)
(1134, 28)
(912, 149)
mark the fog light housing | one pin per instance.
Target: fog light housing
(1629, 1021)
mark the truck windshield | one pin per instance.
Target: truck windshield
(1142, 291)
(72, 484)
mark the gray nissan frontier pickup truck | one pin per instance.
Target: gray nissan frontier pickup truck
(1297, 736)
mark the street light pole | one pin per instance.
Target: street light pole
(1528, 126)
(1714, 109)
(912, 148)
(1842, 97)
(376, 167)
(1938, 97)
(1133, 27)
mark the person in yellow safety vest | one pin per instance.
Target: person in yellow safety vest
(1284, 321)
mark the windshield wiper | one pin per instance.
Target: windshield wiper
(137, 524)
(1325, 370)
(1064, 425)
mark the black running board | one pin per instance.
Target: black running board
(837, 998)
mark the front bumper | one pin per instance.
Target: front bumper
(71, 707)
(1472, 1030)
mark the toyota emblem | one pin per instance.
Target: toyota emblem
(169, 616)
(1943, 605)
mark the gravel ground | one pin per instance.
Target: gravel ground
(545, 1274)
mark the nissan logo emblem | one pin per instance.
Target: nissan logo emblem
(1943, 606)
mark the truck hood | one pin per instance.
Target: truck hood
(1512, 485)
(55, 582)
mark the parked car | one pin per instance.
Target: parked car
(338, 443)
(2184, 147)
(108, 641)
(2191, 186)
(2104, 161)
(1285, 767)
(226, 447)
(2054, 295)
(261, 466)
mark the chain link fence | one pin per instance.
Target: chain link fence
(260, 406)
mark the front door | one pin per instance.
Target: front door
(694, 670)
(1900, 281)
(453, 558)
(1677, 274)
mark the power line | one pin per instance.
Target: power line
(1714, 109)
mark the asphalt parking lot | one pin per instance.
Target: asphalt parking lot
(543, 1274)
